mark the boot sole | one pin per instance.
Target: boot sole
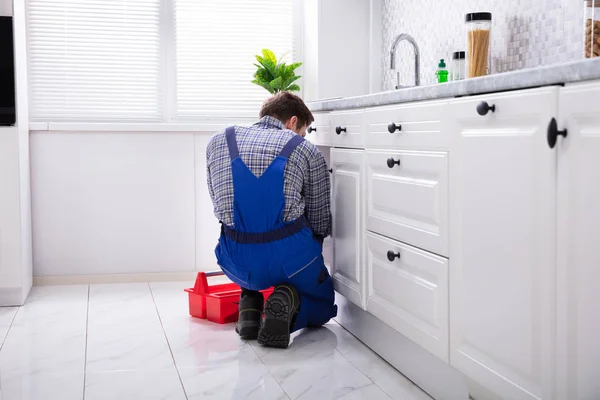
(276, 327)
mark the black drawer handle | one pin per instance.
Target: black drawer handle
(391, 162)
(483, 108)
(391, 256)
(311, 129)
(554, 133)
(339, 130)
(392, 127)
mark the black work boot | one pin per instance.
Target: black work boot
(280, 312)
(250, 314)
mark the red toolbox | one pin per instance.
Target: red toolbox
(217, 303)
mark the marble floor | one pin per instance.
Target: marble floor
(137, 341)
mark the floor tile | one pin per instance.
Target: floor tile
(142, 343)
(48, 333)
(44, 386)
(126, 385)
(390, 380)
(124, 331)
(7, 314)
(196, 342)
(235, 382)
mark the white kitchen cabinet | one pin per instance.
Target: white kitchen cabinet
(414, 126)
(348, 224)
(336, 43)
(348, 129)
(408, 290)
(578, 294)
(407, 197)
(502, 243)
(319, 132)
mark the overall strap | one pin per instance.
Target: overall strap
(290, 146)
(232, 143)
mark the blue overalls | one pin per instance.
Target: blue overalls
(264, 251)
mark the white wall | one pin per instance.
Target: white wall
(121, 203)
(15, 205)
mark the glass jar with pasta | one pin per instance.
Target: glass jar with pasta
(479, 40)
(591, 28)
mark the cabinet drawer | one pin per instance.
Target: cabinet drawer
(409, 293)
(319, 132)
(412, 126)
(349, 124)
(409, 202)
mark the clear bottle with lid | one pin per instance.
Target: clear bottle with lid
(591, 28)
(459, 66)
(479, 35)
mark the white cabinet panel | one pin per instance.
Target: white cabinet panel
(347, 129)
(409, 201)
(578, 287)
(348, 224)
(407, 126)
(409, 293)
(502, 243)
(319, 132)
(118, 203)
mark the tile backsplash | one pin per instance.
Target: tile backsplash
(525, 34)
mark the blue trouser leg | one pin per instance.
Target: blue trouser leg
(317, 298)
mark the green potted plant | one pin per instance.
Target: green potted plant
(275, 76)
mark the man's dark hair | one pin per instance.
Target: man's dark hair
(284, 106)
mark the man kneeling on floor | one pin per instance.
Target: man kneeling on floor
(271, 192)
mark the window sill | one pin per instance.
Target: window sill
(198, 127)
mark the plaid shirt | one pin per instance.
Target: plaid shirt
(306, 178)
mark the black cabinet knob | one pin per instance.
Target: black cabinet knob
(483, 108)
(330, 170)
(391, 256)
(311, 129)
(391, 162)
(554, 133)
(339, 130)
(392, 127)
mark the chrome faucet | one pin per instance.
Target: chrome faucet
(412, 41)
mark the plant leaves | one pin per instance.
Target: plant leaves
(276, 83)
(286, 83)
(269, 55)
(293, 66)
(275, 76)
(264, 85)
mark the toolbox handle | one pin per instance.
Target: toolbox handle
(201, 286)
(214, 273)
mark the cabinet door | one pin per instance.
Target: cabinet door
(348, 129)
(578, 358)
(409, 292)
(319, 132)
(502, 243)
(414, 126)
(407, 199)
(348, 224)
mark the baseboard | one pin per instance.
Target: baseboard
(115, 278)
(430, 373)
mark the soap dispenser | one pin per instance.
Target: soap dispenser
(442, 72)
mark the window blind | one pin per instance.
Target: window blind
(95, 60)
(215, 45)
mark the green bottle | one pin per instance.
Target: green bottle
(442, 72)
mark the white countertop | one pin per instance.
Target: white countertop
(577, 71)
